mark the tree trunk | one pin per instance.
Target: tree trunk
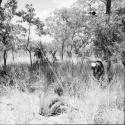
(109, 70)
(62, 50)
(30, 58)
(108, 7)
(123, 58)
(72, 67)
(107, 57)
(108, 10)
(109, 63)
(28, 41)
(123, 62)
(13, 56)
(5, 59)
(0, 2)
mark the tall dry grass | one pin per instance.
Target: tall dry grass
(88, 102)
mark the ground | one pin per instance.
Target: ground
(96, 107)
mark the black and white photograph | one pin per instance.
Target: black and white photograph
(62, 62)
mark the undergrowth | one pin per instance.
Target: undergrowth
(95, 101)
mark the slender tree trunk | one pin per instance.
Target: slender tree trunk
(5, 59)
(109, 63)
(109, 70)
(13, 56)
(108, 11)
(72, 66)
(28, 42)
(0, 2)
(108, 7)
(30, 58)
(123, 58)
(62, 50)
(123, 62)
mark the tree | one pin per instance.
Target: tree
(106, 28)
(108, 37)
(52, 50)
(6, 37)
(40, 52)
(108, 6)
(18, 33)
(68, 30)
(28, 16)
(58, 29)
(121, 20)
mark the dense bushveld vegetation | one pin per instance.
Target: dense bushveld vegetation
(86, 29)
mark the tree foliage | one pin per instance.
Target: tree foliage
(28, 16)
(6, 27)
(87, 27)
